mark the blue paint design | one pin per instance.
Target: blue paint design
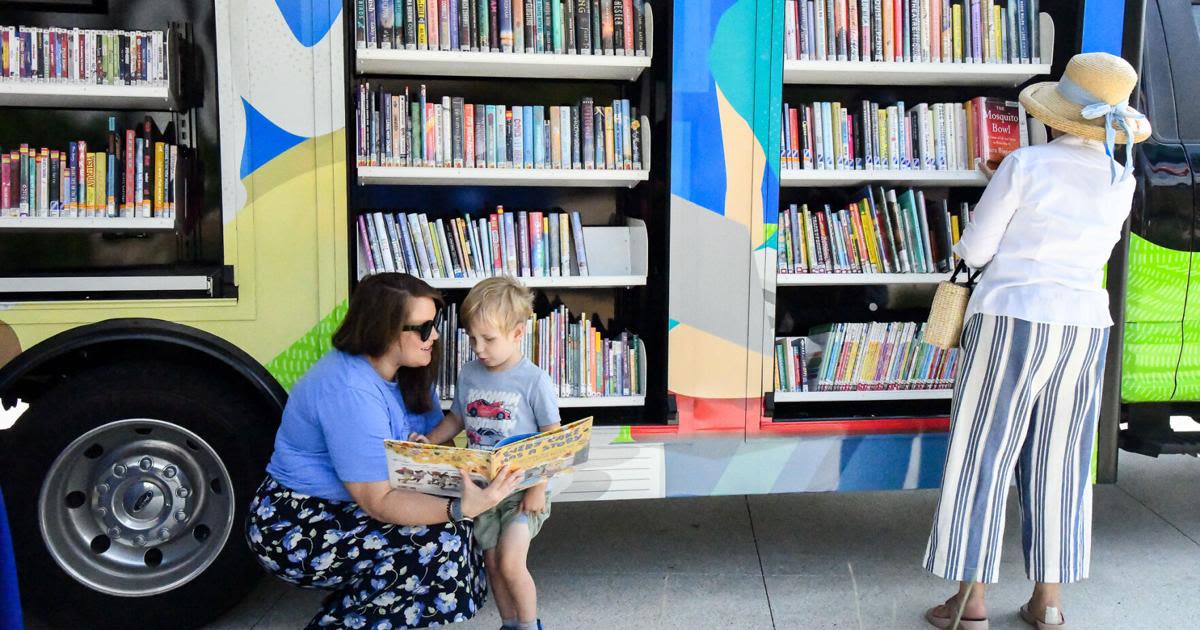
(697, 149)
(264, 140)
(672, 323)
(769, 192)
(875, 462)
(309, 20)
(1103, 26)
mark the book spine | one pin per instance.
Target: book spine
(569, 12)
(360, 23)
(506, 25)
(606, 26)
(580, 246)
(618, 17)
(576, 144)
(554, 260)
(587, 111)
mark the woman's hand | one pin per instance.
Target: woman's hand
(477, 500)
(534, 501)
(984, 168)
(417, 437)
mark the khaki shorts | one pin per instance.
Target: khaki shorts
(490, 524)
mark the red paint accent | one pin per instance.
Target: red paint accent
(702, 415)
(708, 417)
(857, 427)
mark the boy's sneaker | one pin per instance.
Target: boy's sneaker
(539, 622)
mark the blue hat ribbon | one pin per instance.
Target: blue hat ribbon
(1118, 114)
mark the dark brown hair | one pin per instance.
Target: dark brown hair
(379, 307)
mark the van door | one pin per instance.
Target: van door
(1162, 231)
(1187, 380)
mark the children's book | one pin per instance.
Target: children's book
(433, 468)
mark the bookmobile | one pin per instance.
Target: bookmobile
(259, 157)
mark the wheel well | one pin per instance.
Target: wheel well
(57, 359)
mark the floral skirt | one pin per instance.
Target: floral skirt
(382, 576)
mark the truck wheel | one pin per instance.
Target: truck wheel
(129, 486)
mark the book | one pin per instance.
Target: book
(434, 468)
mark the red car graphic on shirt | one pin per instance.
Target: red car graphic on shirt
(484, 409)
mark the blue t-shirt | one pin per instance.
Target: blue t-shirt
(496, 405)
(336, 419)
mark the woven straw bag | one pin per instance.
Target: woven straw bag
(948, 310)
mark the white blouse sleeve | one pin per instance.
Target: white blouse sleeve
(995, 209)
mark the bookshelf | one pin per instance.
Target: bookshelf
(828, 178)
(116, 109)
(618, 257)
(447, 63)
(923, 74)
(612, 203)
(86, 224)
(63, 94)
(810, 299)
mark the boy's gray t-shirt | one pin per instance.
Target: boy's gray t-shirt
(496, 405)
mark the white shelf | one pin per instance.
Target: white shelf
(456, 63)
(797, 72)
(825, 279)
(88, 224)
(807, 72)
(594, 401)
(104, 284)
(453, 63)
(83, 95)
(543, 177)
(813, 177)
(892, 394)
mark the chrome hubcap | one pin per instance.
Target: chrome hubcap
(136, 507)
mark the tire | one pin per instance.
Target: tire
(129, 450)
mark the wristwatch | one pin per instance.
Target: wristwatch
(454, 510)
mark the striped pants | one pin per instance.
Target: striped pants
(1027, 400)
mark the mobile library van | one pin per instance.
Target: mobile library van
(733, 212)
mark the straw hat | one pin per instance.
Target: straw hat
(1091, 79)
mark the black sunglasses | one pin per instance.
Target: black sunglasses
(425, 329)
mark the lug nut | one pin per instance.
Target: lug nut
(139, 540)
(114, 533)
(169, 472)
(183, 493)
(164, 533)
(102, 489)
(146, 463)
(181, 516)
(119, 470)
(101, 512)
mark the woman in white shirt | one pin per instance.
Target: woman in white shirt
(1028, 394)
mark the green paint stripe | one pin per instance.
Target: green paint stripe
(291, 364)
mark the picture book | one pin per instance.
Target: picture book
(433, 468)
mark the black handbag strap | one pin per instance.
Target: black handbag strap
(972, 275)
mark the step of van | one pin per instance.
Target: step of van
(1161, 442)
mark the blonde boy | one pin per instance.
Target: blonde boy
(501, 394)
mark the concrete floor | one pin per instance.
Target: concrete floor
(824, 561)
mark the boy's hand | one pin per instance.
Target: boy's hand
(534, 501)
(417, 437)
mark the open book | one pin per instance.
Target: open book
(433, 468)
